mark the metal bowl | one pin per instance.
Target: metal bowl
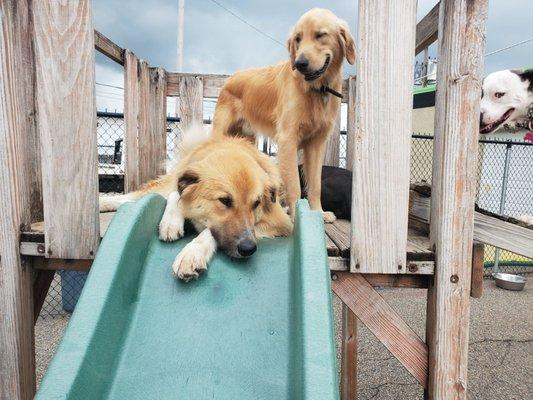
(509, 281)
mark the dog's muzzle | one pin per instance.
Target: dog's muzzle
(302, 65)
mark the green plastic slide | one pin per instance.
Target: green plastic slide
(259, 328)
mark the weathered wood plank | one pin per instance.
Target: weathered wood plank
(348, 354)
(476, 285)
(390, 280)
(350, 127)
(67, 125)
(145, 120)
(461, 48)
(383, 135)
(368, 305)
(108, 48)
(503, 235)
(212, 84)
(131, 121)
(427, 29)
(17, 364)
(331, 247)
(333, 142)
(191, 101)
(339, 232)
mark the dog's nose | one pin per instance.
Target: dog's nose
(246, 247)
(301, 64)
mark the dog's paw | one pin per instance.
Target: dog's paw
(189, 263)
(329, 217)
(171, 229)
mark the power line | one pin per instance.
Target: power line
(111, 86)
(508, 47)
(249, 24)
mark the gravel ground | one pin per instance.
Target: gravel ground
(500, 352)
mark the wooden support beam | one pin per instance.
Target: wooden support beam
(390, 280)
(461, 56)
(348, 354)
(17, 130)
(373, 311)
(427, 30)
(350, 127)
(108, 48)
(476, 285)
(131, 116)
(331, 156)
(53, 264)
(67, 125)
(384, 96)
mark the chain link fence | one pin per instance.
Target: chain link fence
(504, 182)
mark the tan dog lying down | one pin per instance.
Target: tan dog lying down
(228, 190)
(293, 102)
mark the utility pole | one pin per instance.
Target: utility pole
(179, 54)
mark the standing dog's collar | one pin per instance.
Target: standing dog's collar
(325, 89)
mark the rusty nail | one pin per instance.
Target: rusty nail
(454, 279)
(50, 252)
(400, 266)
(334, 277)
(40, 249)
(357, 266)
(91, 252)
(413, 267)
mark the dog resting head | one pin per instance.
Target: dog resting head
(318, 44)
(229, 186)
(505, 98)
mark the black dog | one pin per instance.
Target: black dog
(336, 190)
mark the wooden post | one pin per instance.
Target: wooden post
(349, 354)
(476, 285)
(461, 48)
(145, 120)
(384, 98)
(64, 51)
(17, 131)
(331, 157)
(350, 127)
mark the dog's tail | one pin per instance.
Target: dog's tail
(195, 135)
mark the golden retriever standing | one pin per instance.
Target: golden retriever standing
(228, 189)
(295, 102)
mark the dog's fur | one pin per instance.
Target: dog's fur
(505, 100)
(228, 190)
(283, 101)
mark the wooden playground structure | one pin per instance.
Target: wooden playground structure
(48, 155)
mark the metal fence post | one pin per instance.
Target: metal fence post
(505, 178)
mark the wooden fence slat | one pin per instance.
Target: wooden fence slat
(350, 127)
(108, 48)
(427, 29)
(191, 90)
(331, 157)
(373, 311)
(145, 120)
(131, 127)
(17, 366)
(461, 48)
(384, 96)
(67, 127)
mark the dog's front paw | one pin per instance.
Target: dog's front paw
(189, 263)
(171, 229)
(329, 217)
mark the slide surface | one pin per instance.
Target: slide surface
(259, 328)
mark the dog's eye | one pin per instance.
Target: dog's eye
(227, 201)
(297, 39)
(499, 94)
(256, 204)
(319, 35)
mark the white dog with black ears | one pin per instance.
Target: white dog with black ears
(507, 101)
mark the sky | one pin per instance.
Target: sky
(217, 42)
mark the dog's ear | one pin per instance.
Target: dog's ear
(347, 41)
(526, 76)
(187, 179)
(292, 49)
